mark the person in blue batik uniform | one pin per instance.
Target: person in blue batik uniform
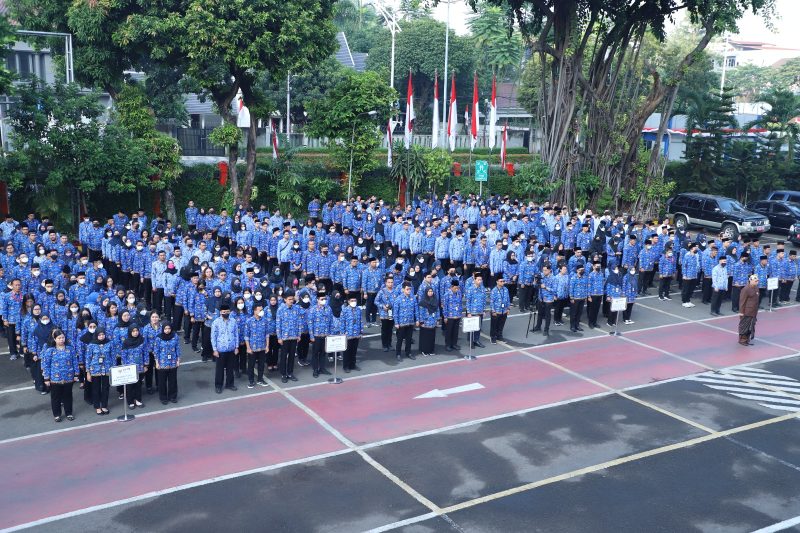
(352, 327)
(167, 359)
(100, 358)
(134, 353)
(321, 323)
(60, 371)
(224, 342)
(405, 318)
(499, 305)
(287, 326)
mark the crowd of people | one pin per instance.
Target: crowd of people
(258, 291)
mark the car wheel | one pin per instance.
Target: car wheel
(681, 222)
(730, 231)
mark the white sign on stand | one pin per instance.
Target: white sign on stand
(618, 304)
(772, 284)
(470, 324)
(124, 375)
(335, 343)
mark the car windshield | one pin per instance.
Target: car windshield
(794, 207)
(731, 206)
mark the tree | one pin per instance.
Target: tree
(496, 46)
(226, 46)
(61, 146)
(780, 121)
(6, 40)
(342, 116)
(597, 85)
(748, 81)
(708, 116)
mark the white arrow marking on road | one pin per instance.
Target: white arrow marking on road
(444, 393)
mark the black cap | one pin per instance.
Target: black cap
(225, 307)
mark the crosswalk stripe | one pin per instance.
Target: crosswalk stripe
(717, 378)
(751, 370)
(748, 390)
(760, 398)
(779, 407)
(758, 375)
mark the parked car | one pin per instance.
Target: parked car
(782, 215)
(787, 196)
(726, 215)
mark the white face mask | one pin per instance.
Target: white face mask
(41, 252)
(73, 310)
(92, 330)
(45, 321)
(306, 299)
(258, 296)
(81, 281)
(240, 305)
(353, 304)
(23, 260)
(246, 296)
(260, 314)
(140, 248)
(131, 299)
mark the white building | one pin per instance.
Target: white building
(738, 53)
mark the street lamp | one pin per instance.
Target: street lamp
(394, 28)
(352, 142)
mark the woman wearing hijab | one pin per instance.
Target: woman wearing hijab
(213, 305)
(149, 332)
(511, 274)
(38, 340)
(60, 371)
(99, 360)
(613, 290)
(271, 314)
(428, 316)
(170, 286)
(304, 342)
(240, 315)
(29, 319)
(629, 290)
(167, 360)
(134, 353)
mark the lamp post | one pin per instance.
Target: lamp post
(394, 28)
(352, 142)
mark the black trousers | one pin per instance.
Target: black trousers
(350, 353)
(707, 289)
(150, 374)
(286, 359)
(387, 325)
(451, 332)
(61, 393)
(593, 309)
(427, 340)
(663, 286)
(544, 315)
(167, 384)
(716, 300)
(785, 289)
(208, 351)
(688, 289)
(100, 388)
(525, 295)
(241, 359)
(496, 325)
(318, 356)
(257, 358)
(646, 280)
(11, 336)
(575, 312)
(169, 308)
(134, 390)
(158, 300)
(404, 334)
(302, 347)
(735, 292)
(177, 319)
(226, 362)
(197, 329)
(626, 314)
(372, 310)
(147, 288)
(273, 351)
(558, 309)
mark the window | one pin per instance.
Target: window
(761, 206)
(710, 205)
(777, 196)
(730, 62)
(793, 197)
(779, 209)
(731, 206)
(695, 203)
(680, 201)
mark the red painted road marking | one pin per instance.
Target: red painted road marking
(707, 345)
(383, 407)
(617, 363)
(63, 472)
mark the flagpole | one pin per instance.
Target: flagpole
(446, 54)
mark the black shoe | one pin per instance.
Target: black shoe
(579, 328)
(385, 348)
(412, 357)
(325, 371)
(186, 341)
(448, 349)
(546, 333)
(262, 383)
(534, 330)
(303, 363)
(316, 374)
(357, 368)
(573, 330)
(494, 341)
(151, 391)
(346, 370)
(164, 402)
(174, 400)
(456, 347)
(237, 374)
(251, 385)
(398, 357)
(292, 378)
(284, 379)
(218, 390)
(70, 418)
(479, 344)
(232, 387)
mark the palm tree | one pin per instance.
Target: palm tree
(780, 121)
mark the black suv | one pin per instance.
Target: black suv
(783, 215)
(726, 215)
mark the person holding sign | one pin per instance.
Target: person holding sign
(475, 302)
(452, 311)
(320, 324)
(134, 352)
(60, 371)
(748, 311)
(167, 354)
(353, 327)
(99, 360)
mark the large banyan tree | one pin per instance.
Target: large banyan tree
(597, 84)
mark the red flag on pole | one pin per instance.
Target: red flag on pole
(435, 127)
(452, 119)
(474, 126)
(409, 112)
(493, 115)
(503, 141)
(274, 139)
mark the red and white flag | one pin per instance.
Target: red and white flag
(452, 118)
(474, 125)
(493, 115)
(409, 112)
(390, 140)
(274, 139)
(435, 128)
(503, 141)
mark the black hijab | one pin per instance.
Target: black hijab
(42, 331)
(133, 342)
(87, 337)
(96, 340)
(430, 303)
(166, 336)
(511, 257)
(336, 303)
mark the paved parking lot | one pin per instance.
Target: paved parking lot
(671, 427)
